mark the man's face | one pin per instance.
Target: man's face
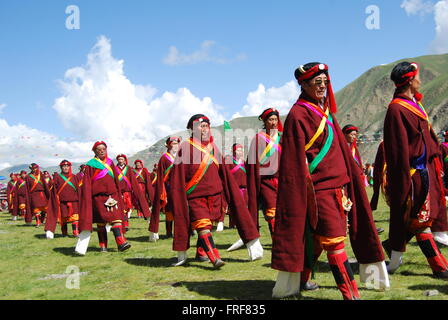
(36, 170)
(121, 161)
(101, 151)
(351, 137)
(14, 177)
(174, 147)
(239, 153)
(316, 87)
(65, 168)
(271, 123)
(202, 131)
(138, 165)
(23, 175)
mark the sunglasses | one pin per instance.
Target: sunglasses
(320, 81)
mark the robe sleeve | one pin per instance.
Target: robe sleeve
(377, 176)
(288, 244)
(156, 205)
(253, 180)
(53, 210)
(181, 241)
(86, 208)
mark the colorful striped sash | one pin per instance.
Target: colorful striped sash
(326, 119)
(155, 178)
(207, 160)
(103, 168)
(21, 184)
(139, 174)
(415, 108)
(167, 170)
(66, 181)
(36, 180)
(273, 145)
(122, 175)
(239, 165)
(355, 157)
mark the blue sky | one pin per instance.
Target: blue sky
(261, 42)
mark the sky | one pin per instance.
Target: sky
(132, 72)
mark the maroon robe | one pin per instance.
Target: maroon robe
(64, 201)
(378, 169)
(24, 199)
(406, 137)
(444, 154)
(262, 179)
(296, 199)
(131, 186)
(217, 181)
(162, 186)
(12, 197)
(144, 183)
(93, 196)
(38, 193)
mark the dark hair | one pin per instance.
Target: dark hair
(195, 117)
(298, 72)
(397, 74)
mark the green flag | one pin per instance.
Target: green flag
(227, 125)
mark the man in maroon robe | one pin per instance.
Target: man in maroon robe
(12, 196)
(144, 182)
(262, 167)
(101, 200)
(23, 198)
(413, 173)
(321, 195)
(237, 167)
(198, 180)
(130, 189)
(38, 192)
(63, 205)
(162, 193)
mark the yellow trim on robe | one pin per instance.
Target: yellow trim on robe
(270, 213)
(201, 223)
(329, 241)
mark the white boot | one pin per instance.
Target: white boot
(220, 226)
(255, 249)
(441, 237)
(374, 275)
(236, 245)
(287, 284)
(83, 242)
(49, 234)
(153, 237)
(396, 259)
(181, 258)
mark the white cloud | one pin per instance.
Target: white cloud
(2, 106)
(99, 102)
(440, 43)
(21, 144)
(281, 98)
(204, 54)
(413, 7)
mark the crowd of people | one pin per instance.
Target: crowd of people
(305, 176)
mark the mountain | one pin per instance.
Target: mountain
(364, 102)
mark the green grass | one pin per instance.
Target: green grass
(144, 271)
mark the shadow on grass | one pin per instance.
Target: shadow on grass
(151, 262)
(70, 251)
(442, 288)
(43, 236)
(233, 290)
(146, 238)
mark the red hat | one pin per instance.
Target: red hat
(197, 117)
(270, 112)
(65, 162)
(23, 171)
(349, 128)
(135, 162)
(169, 140)
(318, 68)
(236, 146)
(97, 144)
(33, 166)
(122, 156)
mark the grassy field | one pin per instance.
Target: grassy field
(33, 267)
